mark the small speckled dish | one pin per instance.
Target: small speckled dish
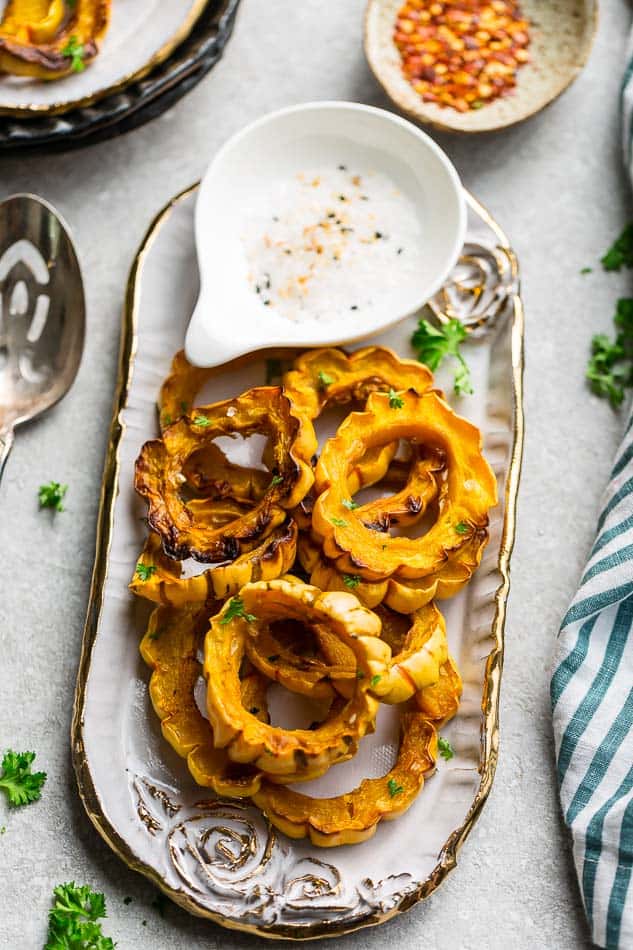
(561, 36)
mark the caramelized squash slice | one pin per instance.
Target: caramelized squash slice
(470, 489)
(49, 39)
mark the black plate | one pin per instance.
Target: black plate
(140, 102)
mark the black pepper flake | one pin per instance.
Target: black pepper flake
(287, 251)
(378, 235)
(254, 710)
(346, 230)
(273, 658)
(400, 250)
(275, 218)
(331, 214)
(364, 197)
(342, 168)
(267, 284)
(342, 198)
(258, 289)
(266, 303)
(354, 307)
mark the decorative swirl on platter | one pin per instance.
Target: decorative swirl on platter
(230, 857)
(479, 288)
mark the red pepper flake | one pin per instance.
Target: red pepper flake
(462, 53)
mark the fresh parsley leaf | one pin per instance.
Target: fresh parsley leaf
(75, 51)
(434, 344)
(445, 749)
(339, 522)
(375, 680)
(360, 675)
(351, 580)
(610, 366)
(395, 401)
(236, 610)
(52, 495)
(586, 270)
(276, 480)
(350, 504)
(145, 571)
(201, 421)
(394, 788)
(20, 784)
(620, 254)
(461, 528)
(324, 380)
(73, 919)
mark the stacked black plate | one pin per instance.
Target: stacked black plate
(139, 102)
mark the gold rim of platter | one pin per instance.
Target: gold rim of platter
(57, 108)
(490, 699)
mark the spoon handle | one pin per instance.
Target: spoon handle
(6, 444)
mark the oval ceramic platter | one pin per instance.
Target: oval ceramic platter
(221, 859)
(141, 35)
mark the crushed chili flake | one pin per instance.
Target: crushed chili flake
(462, 53)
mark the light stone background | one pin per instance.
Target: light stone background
(556, 186)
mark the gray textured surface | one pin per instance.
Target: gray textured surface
(556, 186)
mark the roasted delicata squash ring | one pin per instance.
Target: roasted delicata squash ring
(332, 377)
(159, 474)
(182, 387)
(470, 488)
(170, 648)
(159, 578)
(46, 39)
(403, 596)
(354, 817)
(420, 653)
(286, 653)
(286, 753)
(440, 702)
(212, 474)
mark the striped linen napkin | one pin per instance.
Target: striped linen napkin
(592, 695)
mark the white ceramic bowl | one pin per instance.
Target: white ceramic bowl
(229, 319)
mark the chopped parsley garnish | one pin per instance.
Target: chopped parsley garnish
(75, 51)
(610, 367)
(324, 380)
(339, 522)
(273, 658)
(276, 480)
(395, 401)
(586, 270)
(236, 610)
(202, 421)
(166, 419)
(375, 680)
(17, 781)
(351, 580)
(620, 254)
(73, 919)
(445, 749)
(52, 495)
(394, 788)
(461, 528)
(145, 571)
(360, 675)
(350, 504)
(434, 344)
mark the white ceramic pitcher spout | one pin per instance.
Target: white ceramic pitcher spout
(230, 319)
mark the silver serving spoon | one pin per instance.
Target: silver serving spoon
(42, 313)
